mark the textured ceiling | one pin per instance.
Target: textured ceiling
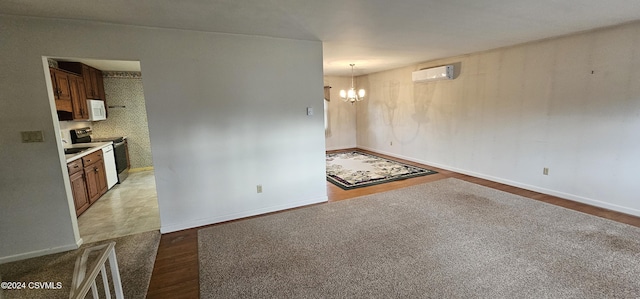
(374, 34)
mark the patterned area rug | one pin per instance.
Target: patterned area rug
(349, 170)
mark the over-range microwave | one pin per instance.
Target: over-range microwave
(96, 110)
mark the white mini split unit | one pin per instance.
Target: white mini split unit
(444, 72)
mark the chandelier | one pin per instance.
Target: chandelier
(351, 95)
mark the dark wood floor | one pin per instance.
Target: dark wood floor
(175, 273)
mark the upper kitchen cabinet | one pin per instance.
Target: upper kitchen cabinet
(68, 92)
(78, 98)
(93, 85)
(61, 89)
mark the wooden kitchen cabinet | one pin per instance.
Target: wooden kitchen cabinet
(79, 191)
(89, 75)
(95, 174)
(78, 186)
(92, 78)
(78, 98)
(88, 180)
(98, 86)
(61, 90)
(68, 92)
(93, 83)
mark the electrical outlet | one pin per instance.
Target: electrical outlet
(259, 188)
(545, 171)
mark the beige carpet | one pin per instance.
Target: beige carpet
(445, 239)
(136, 255)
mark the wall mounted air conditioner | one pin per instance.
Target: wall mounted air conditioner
(444, 72)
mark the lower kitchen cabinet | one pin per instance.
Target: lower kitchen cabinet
(78, 186)
(88, 180)
(96, 180)
(79, 191)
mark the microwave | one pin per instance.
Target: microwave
(97, 110)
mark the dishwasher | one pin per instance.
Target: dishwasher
(116, 157)
(110, 166)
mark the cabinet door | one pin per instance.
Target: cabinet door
(93, 190)
(83, 98)
(88, 86)
(99, 84)
(79, 191)
(78, 102)
(101, 177)
(61, 90)
(94, 83)
(96, 175)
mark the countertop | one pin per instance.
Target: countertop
(92, 147)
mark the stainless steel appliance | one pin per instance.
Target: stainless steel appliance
(120, 150)
(121, 153)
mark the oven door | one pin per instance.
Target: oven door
(122, 163)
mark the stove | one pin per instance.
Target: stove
(120, 149)
(107, 139)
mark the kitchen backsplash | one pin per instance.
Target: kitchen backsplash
(52, 63)
(125, 89)
(66, 126)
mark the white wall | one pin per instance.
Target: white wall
(225, 114)
(512, 111)
(342, 116)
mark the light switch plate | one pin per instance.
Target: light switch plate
(32, 136)
(309, 111)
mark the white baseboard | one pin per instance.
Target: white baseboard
(139, 169)
(573, 197)
(207, 221)
(37, 253)
(336, 148)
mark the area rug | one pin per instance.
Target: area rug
(444, 239)
(136, 255)
(349, 170)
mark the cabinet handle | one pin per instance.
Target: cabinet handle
(88, 161)
(95, 169)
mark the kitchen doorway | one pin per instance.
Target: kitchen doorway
(131, 205)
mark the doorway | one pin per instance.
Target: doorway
(131, 206)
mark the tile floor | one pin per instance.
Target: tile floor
(128, 208)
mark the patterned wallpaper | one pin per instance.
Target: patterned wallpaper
(52, 63)
(131, 121)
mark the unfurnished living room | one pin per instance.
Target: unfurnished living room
(322, 149)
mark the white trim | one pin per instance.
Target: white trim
(340, 147)
(573, 197)
(37, 253)
(207, 221)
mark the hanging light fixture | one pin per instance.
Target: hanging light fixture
(351, 95)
